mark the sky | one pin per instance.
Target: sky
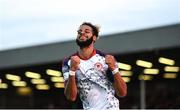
(25, 23)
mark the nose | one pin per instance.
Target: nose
(82, 34)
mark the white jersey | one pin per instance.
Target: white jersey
(94, 83)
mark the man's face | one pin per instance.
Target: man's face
(84, 32)
(85, 36)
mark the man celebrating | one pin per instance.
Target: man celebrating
(92, 74)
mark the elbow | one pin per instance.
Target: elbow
(70, 97)
(122, 93)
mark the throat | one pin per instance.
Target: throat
(86, 54)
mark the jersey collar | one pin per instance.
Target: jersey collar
(92, 54)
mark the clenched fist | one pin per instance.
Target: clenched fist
(110, 61)
(75, 61)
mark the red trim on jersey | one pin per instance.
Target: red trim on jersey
(92, 54)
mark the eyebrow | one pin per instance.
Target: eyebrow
(85, 30)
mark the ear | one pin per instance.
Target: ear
(94, 38)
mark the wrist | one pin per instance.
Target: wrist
(115, 71)
(72, 73)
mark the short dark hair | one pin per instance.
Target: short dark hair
(95, 28)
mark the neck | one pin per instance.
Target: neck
(86, 52)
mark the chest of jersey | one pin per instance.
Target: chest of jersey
(92, 68)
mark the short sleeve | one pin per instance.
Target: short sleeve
(65, 69)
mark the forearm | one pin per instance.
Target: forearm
(71, 89)
(119, 85)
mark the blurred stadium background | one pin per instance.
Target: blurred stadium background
(149, 61)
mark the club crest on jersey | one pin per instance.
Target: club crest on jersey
(98, 66)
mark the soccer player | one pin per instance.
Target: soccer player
(92, 74)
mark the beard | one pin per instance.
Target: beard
(83, 44)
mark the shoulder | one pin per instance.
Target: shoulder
(101, 53)
(66, 59)
(66, 63)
